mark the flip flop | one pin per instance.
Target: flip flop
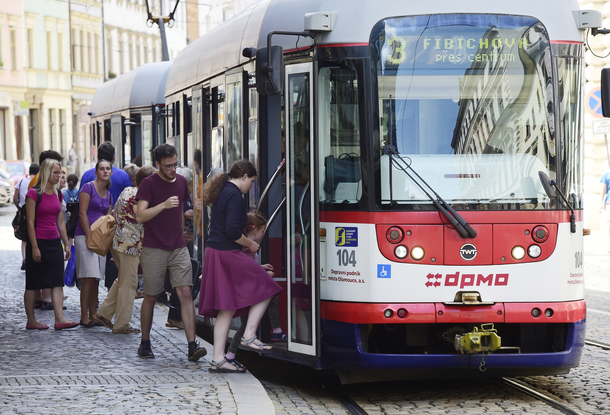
(102, 321)
(29, 326)
(130, 330)
(254, 344)
(219, 369)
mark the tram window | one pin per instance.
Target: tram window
(569, 74)
(188, 120)
(253, 127)
(234, 117)
(176, 119)
(477, 122)
(339, 134)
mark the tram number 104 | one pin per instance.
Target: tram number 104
(346, 257)
(578, 259)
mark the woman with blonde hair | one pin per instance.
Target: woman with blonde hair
(44, 256)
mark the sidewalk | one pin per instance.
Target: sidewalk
(93, 371)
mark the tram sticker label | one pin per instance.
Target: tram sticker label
(465, 280)
(345, 276)
(576, 279)
(384, 271)
(346, 236)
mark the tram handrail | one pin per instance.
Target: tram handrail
(275, 213)
(275, 175)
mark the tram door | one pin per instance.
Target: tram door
(301, 227)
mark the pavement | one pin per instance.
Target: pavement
(93, 371)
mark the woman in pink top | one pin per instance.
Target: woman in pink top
(44, 266)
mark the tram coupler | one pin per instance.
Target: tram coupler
(484, 341)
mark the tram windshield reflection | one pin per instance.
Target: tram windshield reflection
(467, 100)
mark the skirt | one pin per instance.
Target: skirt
(88, 263)
(49, 272)
(231, 280)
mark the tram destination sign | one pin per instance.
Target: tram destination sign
(601, 127)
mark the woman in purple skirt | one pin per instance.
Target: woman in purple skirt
(230, 285)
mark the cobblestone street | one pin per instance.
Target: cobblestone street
(93, 371)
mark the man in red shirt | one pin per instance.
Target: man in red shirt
(160, 202)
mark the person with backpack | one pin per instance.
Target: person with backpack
(44, 257)
(21, 189)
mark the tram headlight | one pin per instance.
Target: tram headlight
(401, 252)
(535, 312)
(518, 252)
(540, 234)
(394, 234)
(417, 253)
(388, 313)
(534, 251)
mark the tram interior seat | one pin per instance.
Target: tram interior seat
(343, 178)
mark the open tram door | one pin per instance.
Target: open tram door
(301, 225)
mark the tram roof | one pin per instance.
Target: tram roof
(221, 48)
(142, 87)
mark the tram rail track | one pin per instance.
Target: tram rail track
(595, 343)
(537, 395)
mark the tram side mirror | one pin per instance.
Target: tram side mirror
(605, 90)
(270, 71)
(548, 189)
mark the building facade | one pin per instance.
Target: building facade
(87, 66)
(47, 72)
(14, 140)
(597, 156)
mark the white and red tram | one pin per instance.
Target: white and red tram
(387, 113)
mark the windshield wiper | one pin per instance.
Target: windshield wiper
(452, 216)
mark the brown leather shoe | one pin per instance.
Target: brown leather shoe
(174, 323)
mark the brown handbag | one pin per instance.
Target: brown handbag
(102, 232)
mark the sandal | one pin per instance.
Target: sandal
(254, 344)
(278, 337)
(219, 369)
(103, 321)
(235, 363)
(130, 330)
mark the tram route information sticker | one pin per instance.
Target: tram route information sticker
(346, 236)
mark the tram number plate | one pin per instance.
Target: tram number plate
(346, 257)
(578, 259)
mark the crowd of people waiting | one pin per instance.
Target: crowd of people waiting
(154, 215)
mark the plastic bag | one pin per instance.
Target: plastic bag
(70, 273)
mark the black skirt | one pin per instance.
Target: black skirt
(49, 272)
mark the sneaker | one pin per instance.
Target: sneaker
(145, 351)
(196, 352)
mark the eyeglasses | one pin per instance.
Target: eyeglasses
(57, 173)
(171, 166)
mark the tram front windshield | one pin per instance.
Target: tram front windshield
(466, 100)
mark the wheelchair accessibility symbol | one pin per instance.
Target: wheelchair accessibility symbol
(384, 271)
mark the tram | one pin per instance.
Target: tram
(129, 111)
(421, 166)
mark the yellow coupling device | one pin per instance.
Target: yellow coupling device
(484, 341)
